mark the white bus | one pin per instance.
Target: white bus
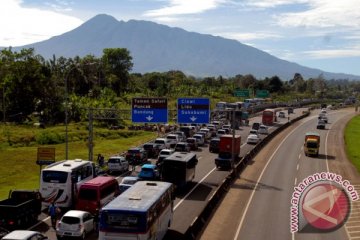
(60, 181)
(142, 212)
(220, 106)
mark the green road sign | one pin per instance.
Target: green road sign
(262, 93)
(242, 93)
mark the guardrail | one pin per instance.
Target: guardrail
(198, 223)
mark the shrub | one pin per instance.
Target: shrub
(47, 137)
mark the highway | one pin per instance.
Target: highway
(190, 202)
(258, 204)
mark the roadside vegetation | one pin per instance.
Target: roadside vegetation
(352, 140)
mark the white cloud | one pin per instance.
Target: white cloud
(180, 7)
(272, 3)
(250, 36)
(20, 25)
(333, 53)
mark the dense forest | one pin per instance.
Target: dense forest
(32, 87)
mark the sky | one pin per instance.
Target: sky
(322, 34)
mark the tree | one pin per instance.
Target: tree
(117, 64)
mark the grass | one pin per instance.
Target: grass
(18, 150)
(352, 140)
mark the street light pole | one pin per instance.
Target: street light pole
(66, 119)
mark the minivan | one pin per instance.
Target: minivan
(118, 164)
(97, 192)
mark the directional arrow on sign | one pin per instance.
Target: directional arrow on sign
(149, 118)
(193, 118)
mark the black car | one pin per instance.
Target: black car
(151, 149)
(256, 125)
(214, 145)
(136, 155)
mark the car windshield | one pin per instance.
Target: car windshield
(70, 220)
(114, 160)
(134, 151)
(165, 153)
(159, 141)
(129, 181)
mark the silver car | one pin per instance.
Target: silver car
(75, 223)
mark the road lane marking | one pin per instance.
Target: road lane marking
(299, 155)
(297, 167)
(261, 174)
(295, 181)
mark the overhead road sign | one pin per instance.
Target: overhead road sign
(149, 110)
(242, 93)
(262, 93)
(193, 110)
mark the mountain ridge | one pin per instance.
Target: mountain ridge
(159, 48)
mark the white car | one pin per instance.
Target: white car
(118, 164)
(162, 143)
(24, 235)
(164, 154)
(253, 139)
(200, 139)
(220, 132)
(281, 114)
(173, 139)
(263, 129)
(127, 182)
(75, 223)
(254, 131)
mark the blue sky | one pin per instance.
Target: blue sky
(323, 34)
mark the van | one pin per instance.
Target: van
(97, 192)
(118, 164)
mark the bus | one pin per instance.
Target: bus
(60, 181)
(179, 168)
(142, 212)
(220, 106)
(269, 116)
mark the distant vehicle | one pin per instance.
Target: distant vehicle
(269, 117)
(58, 181)
(151, 149)
(254, 131)
(193, 143)
(220, 106)
(162, 155)
(144, 211)
(282, 115)
(290, 110)
(227, 152)
(312, 143)
(253, 139)
(148, 172)
(227, 128)
(162, 143)
(127, 182)
(220, 132)
(187, 130)
(263, 129)
(95, 193)
(75, 223)
(322, 116)
(320, 124)
(255, 125)
(117, 164)
(323, 110)
(207, 131)
(181, 135)
(25, 235)
(20, 209)
(182, 147)
(179, 168)
(214, 145)
(173, 139)
(200, 139)
(136, 156)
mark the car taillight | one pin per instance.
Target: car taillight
(11, 222)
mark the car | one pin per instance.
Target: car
(282, 115)
(75, 223)
(193, 143)
(151, 149)
(255, 125)
(290, 110)
(263, 130)
(162, 155)
(117, 164)
(322, 116)
(207, 131)
(149, 172)
(323, 110)
(162, 143)
(182, 147)
(127, 182)
(173, 139)
(181, 135)
(227, 128)
(253, 139)
(320, 124)
(214, 145)
(220, 132)
(200, 139)
(136, 155)
(254, 131)
(24, 235)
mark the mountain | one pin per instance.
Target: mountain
(155, 47)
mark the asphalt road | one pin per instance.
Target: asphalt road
(189, 203)
(258, 204)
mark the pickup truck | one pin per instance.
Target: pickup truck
(21, 209)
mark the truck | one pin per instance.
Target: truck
(227, 155)
(312, 144)
(20, 209)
